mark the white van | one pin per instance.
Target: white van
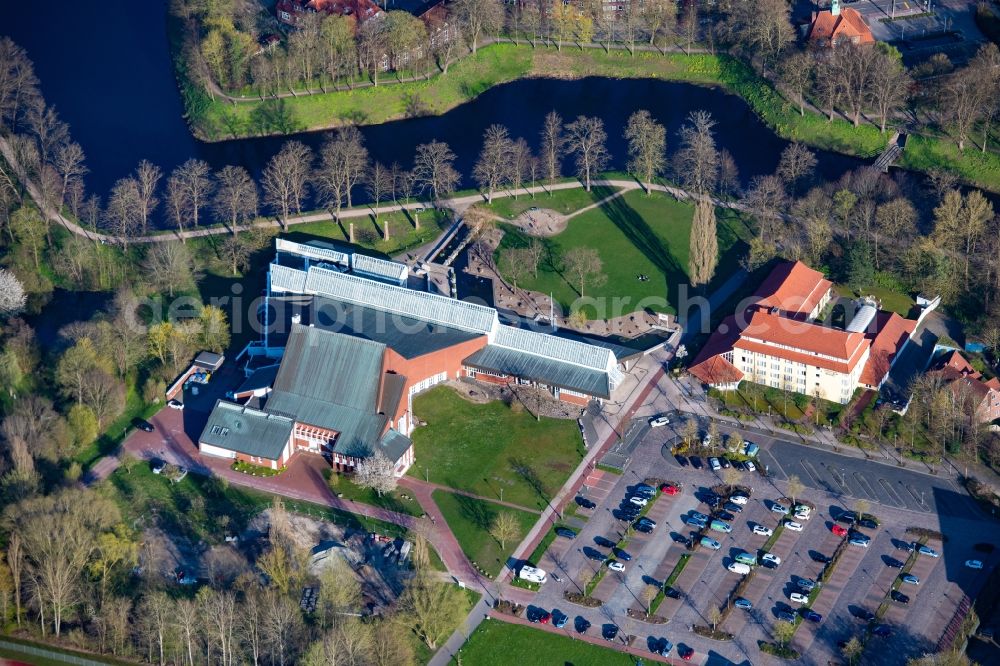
(532, 575)
(739, 568)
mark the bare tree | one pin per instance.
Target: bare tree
(647, 146)
(48, 130)
(494, 160)
(378, 184)
(760, 31)
(285, 179)
(797, 164)
(343, 162)
(18, 83)
(894, 219)
(177, 203)
(194, 178)
(147, 178)
(433, 169)
(515, 263)
(795, 487)
(522, 163)
(478, 17)
(553, 145)
(889, 88)
(235, 197)
(505, 528)
(68, 162)
(586, 138)
(855, 63)
(704, 254)
(796, 74)
(533, 255)
(584, 265)
(122, 216)
(377, 472)
(169, 266)
(766, 200)
(697, 162)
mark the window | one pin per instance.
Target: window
(220, 430)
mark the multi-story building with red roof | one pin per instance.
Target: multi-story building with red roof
(964, 380)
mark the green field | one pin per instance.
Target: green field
(562, 201)
(403, 234)
(470, 520)
(633, 234)
(497, 643)
(892, 301)
(485, 448)
(342, 486)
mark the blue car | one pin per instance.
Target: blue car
(559, 619)
(745, 604)
(622, 555)
(811, 615)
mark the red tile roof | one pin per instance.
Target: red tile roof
(891, 332)
(849, 25)
(801, 336)
(793, 288)
(710, 366)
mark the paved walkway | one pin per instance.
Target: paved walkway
(413, 483)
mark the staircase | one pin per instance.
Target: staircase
(891, 153)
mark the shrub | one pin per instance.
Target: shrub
(581, 600)
(926, 533)
(713, 634)
(153, 390)
(782, 652)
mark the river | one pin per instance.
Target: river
(106, 67)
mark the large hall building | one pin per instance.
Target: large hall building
(346, 344)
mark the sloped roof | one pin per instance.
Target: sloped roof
(892, 332)
(555, 348)
(848, 25)
(390, 270)
(780, 333)
(261, 378)
(246, 430)
(574, 377)
(287, 279)
(793, 288)
(709, 366)
(394, 444)
(313, 250)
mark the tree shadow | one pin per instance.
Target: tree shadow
(528, 474)
(476, 511)
(273, 116)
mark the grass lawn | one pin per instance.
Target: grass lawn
(485, 448)
(634, 234)
(562, 201)
(403, 235)
(892, 301)
(497, 643)
(470, 520)
(393, 501)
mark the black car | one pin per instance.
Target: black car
(609, 632)
(566, 532)
(900, 597)
(819, 557)
(866, 615)
(893, 563)
(724, 461)
(646, 520)
(881, 630)
(645, 528)
(604, 541)
(622, 555)
(681, 460)
(725, 515)
(582, 624)
(738, 465)
(732, 507)
(143, 425)
(847, 517)
(696, 462)
(713, 501)
(768, 564)
(671, 592)
(585, 503)
(869, 523)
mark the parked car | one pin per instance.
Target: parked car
(646, 520)
(706, 441)
(798, 597)
(739, 568)
(659, 421)
(725, 515)
(771, 557)
(868, 523)
(713, 501)
(928, 551)
(669, 489)
(819, 557)
(157, 465)
(621, 554)
(859, 540)
(721, 526)
(811, 615)
(839, 531)
(882, 630)
(697, 522)
(737, 464)
(974, 564)
(609, 632)
(638, 501)
(559, 619)
(807, 584)
(762, 531)
(793, 526)
(745, 604)
(664, 647)
(565, 532)
(582, 624)
(910, 578)
(709, 542)
(865, 614)
(714, 464)
(779, 508)
(739, 499)
(744, 557)
(905, 546)
(785, 615)
(681, 460)
(175, 404)
(585, 503)
(143, 425)
(734, 508)
(645, 490)
(671, 592)
(724, 462)
(749, 466)
(615, 565)
(699, 516)
(643, 527)
(898, 596)
(686, 652)
(847, 517)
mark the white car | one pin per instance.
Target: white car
(714, 464)
(793, 526)
(763, 531)
(706, 441)
(658, 422)
(739, 568)
(616, 566)
(802, 515)
(175, 404)
(739, 499)
(798, 597)
(771, 557)
(749, 466)
(974, 564)
(779, 508)
(638, 501)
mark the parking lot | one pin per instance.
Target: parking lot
(861, 579)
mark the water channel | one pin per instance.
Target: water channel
(106, 67)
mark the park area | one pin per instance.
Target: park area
(493, 449)
(643, 243)
(526, 645)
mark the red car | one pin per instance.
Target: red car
(686, 652)
(838, 530)
(544, 619)
(669, 489)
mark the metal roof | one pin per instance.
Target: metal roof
(284, 278)
(554, 348)
(380, 268)
(571, 376)
(247, 430)
(399, 300)
(312, 250)
(394, 444)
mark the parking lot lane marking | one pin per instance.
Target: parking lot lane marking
(894, 497)
(865, 486)
(917, 497)
(774, 466)
(815, 476)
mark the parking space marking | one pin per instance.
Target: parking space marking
(815, 476)
(918, 496)
(866, 486)
(894, 497)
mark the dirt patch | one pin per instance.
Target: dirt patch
(179, 560)
(532, 399)
(541, 222)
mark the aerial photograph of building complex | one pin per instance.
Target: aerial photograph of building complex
(500, 332)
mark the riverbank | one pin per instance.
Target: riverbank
(504, 62)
